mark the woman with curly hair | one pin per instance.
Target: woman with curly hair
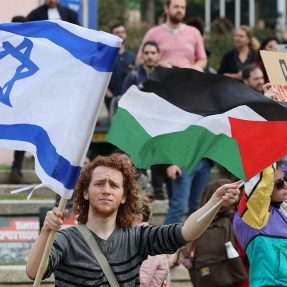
(105, 202)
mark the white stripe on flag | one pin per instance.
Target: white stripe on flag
(157, 116)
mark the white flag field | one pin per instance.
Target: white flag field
(53, 77)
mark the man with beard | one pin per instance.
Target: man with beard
(151, 55)
(105, 204)
(180, 45)
(253, 77)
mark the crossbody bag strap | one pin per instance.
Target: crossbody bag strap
(93, 245)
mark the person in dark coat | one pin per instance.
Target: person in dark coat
(52, 10)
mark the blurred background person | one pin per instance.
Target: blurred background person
(267, 44)
(186, 189)
(124, 64)
(253, 77)
(198, 23)
(154, 271)
(52, 10)
(151, 56)
(180, 45)
(243, 53)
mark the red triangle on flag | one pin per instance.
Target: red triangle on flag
(269, 143)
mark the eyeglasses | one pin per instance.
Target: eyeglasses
(279, 184)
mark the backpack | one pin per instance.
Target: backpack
(210, 265)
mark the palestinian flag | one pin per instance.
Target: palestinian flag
(183, 115)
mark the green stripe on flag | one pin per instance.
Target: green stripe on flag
(184, 148)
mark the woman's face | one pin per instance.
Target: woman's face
(271, 46)
(280, 186)
(240, 38)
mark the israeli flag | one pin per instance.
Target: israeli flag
(53, 77)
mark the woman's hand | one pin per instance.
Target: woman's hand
(229, 193)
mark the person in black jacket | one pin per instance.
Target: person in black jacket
(243, 53)
(52, 10)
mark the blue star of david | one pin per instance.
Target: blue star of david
(26, 69)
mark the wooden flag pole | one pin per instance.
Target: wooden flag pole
(45, 256)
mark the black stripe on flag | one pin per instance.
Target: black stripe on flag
(209, 94)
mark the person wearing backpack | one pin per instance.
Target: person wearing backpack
(207, 258)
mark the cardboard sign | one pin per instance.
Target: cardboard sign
(276, 67)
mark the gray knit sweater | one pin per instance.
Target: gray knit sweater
(74, 264)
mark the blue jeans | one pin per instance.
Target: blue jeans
(186, 192)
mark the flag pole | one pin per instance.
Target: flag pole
(47, 249)
(215, 205)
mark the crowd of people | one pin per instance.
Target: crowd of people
(110, 198)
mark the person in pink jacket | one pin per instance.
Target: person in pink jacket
(154, 271)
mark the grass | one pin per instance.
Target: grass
(5, 167)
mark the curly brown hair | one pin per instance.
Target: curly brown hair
(126, 211)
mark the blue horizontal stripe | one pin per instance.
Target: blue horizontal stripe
(52, 163)
(99, 56)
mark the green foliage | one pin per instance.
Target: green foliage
(5, 167)
(111, 12)
(133, 4)
(135, 36)
(218, 44)
(267, 32)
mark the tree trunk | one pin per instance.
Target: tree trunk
(150, 12)
(257, 11)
